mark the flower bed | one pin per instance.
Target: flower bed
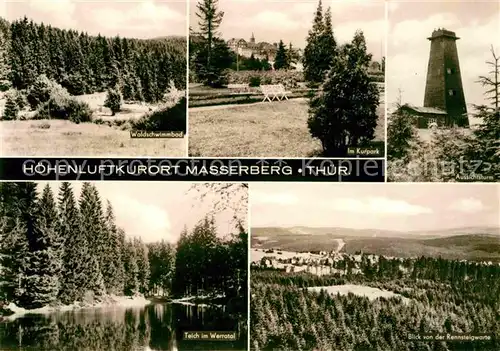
(290, 79)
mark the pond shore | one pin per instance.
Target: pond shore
(12, 311)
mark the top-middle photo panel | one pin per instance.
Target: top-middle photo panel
(286, 79)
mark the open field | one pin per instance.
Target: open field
(469, 243)
(128, 111)
(360, 290)
(107, 136)
(267, 129)
(262, 129)
(64, 138)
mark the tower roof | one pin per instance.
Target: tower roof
(441, 32)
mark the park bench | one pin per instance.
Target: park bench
(275, 91)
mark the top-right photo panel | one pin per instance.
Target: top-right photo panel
(442, 91)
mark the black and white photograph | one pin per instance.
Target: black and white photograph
(93, 266)
(384, 267)
(443, 74)
(283, 78)
(93, 78)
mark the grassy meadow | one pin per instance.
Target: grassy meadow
(107, 136)
(261, 129)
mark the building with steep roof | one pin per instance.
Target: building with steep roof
(261, 50)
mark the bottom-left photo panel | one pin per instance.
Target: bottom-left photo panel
(123, 266)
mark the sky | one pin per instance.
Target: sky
(157, 210)
(272, 20)
(389, 206)
(132, 19)
(476, 23)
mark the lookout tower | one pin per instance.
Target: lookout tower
(443, 89)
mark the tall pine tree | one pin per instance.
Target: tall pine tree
(281, 60)
(75, 264)
(92, 225)
(41, 281)
(320, 48)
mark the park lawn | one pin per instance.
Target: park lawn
(256, 130)
(64, 138)
(276, 129)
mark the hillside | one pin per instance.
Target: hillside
(86, 64)
(479, 244)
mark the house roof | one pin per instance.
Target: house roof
(426, 110)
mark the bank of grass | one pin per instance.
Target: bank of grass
(64, 138)
(257, 130)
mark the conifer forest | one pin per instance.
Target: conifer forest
(85, 64)
(434, 296)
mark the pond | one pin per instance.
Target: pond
(158, 326)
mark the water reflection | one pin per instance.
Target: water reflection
(153, 327)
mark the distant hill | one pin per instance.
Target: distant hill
(461, 243)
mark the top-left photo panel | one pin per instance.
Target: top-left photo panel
(93, 78)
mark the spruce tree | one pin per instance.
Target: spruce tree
(115, 273)
(182, 276)
(401, 135)
(210, 20)
(13, 243)
(313, 67)
(281, 60)
(42, 269)
(75, 264)
(5, 83)
(328, 40)
(92, 224)
(144, 272)
(11, 109)
(132, 284)
(344, 112)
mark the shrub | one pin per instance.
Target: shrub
(5, 85)
(173, 95)
(171, 119)
(65, 108)
(44, 125)
(289, 78)
(113, 101)
(254, 81)
(79, 111)
(42, 90)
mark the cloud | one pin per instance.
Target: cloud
(272, 21)
(59, 13)
(150, 222)
(374, 31)
(393, 6)
(257, 197)
(378, 205)
(468, 205)
(304, 8)
(408, 54)
(339, 6)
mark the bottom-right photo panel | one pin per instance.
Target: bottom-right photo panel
(374, 267)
